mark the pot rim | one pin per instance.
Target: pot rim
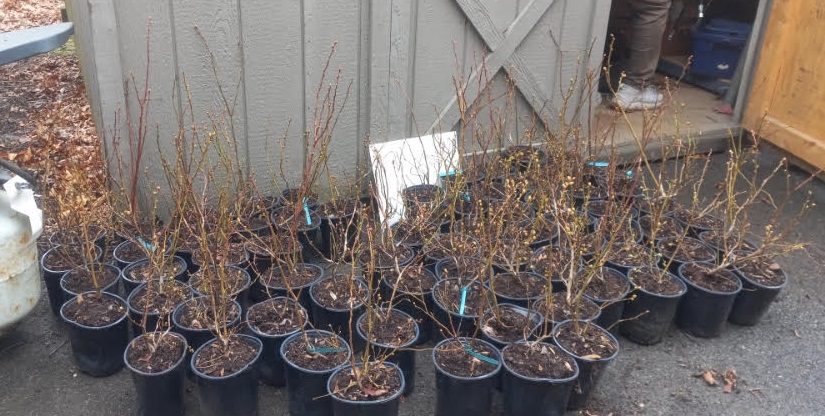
(141, 287)
(358, 280)
(43, 266)
(530, 314)
(509, 298)
(692, 284)
(314, 333)
(79, 325)
(670, 275)
(402, 291)
(394, 396)
(492, 348)
(540, 379)
(249, 338)
(178, 310)
(321, 276)
(105, 265)
(160, 373)
(450, 312)
(259, 333)
(245, 286)
(417, 331)
(627, 287)
(610, 336)
(124, 271)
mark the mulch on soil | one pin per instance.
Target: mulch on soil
(539, 360)
(220, 359)
(374, 382)
(392, 329)
(277, 316)
(454, 359)
(94, 310)
(155, 352)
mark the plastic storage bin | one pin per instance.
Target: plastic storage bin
(717, 46)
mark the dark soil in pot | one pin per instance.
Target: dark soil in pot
(462, 267)
(521, 288)
(714, 240)
(675, 252)
(129, 251)
(133, 275)
(337, 301)
(368, 390)
(414, 234)
(228, 282)
(696, 222)
(283, 279)
(55, 262)
(508, 323)
(559, 310)
(79, 280)
(762, 280)
(264, 250)
(301, 224)
(627, 255)
(444, 246)
(512, 254)
(226, 375)
(709, 299)
(593, 348)
(292, 196)
(552, 262)
(649, 311)
(156, 360)
(450, 318)
(195, 319)
(466, 372)
(232, 254)
(97, 331)
(390, 336)
(664, 227)
(272, 321)
(384, 258)
(413, 295)
(311, 358)
(150, 308)
(608, 288)
(537, 379)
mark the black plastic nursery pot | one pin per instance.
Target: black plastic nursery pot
(449, 317)
(754, 299)
(419, 305)
(272, 365)
(465, 395)
(446, 245)
(266, 287)
(421, 198)
(703, 311)
(488, 328)
(130, 284)
(338, 229)
(591, 366)
(261, 257)
(583, 310)
(52, 277)
(307, 228)
(98, 351)
(110, 283)
(159, 392)
(230, 394)
(124, 257)
(648, 314)
(612, 308)
(196, 337)
(148, 322)
(403, 356)
(387, 406)
(529, 395)
(307, 388)
(333, 318)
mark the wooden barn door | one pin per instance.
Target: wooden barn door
(787, 101)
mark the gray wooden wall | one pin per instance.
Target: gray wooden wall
(262, 60)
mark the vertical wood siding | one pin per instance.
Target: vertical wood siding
(261, 62)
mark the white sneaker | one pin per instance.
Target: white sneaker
(631, 98)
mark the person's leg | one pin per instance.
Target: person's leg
(649, 21)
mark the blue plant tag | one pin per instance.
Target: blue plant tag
(148, 246)
(465, 196)
(629, 173)
(449, 173)
(325, 350)
(481, 357)
(598, 164)
(463, 304)
(306, 210)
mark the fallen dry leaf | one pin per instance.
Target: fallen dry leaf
(592, 357)
(709, 376)
(730, 380)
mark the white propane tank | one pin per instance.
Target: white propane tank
(21, 222)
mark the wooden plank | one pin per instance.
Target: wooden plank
(328, 23)
(274, 91)
(502, 48)
(152, 57)
(785, 104)
(752, 52)
(380, 40)
(402, 56)
(210, 56)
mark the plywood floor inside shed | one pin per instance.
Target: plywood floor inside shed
(688, 116)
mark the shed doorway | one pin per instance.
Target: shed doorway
(702, 101)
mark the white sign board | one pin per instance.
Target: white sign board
(403, 163)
